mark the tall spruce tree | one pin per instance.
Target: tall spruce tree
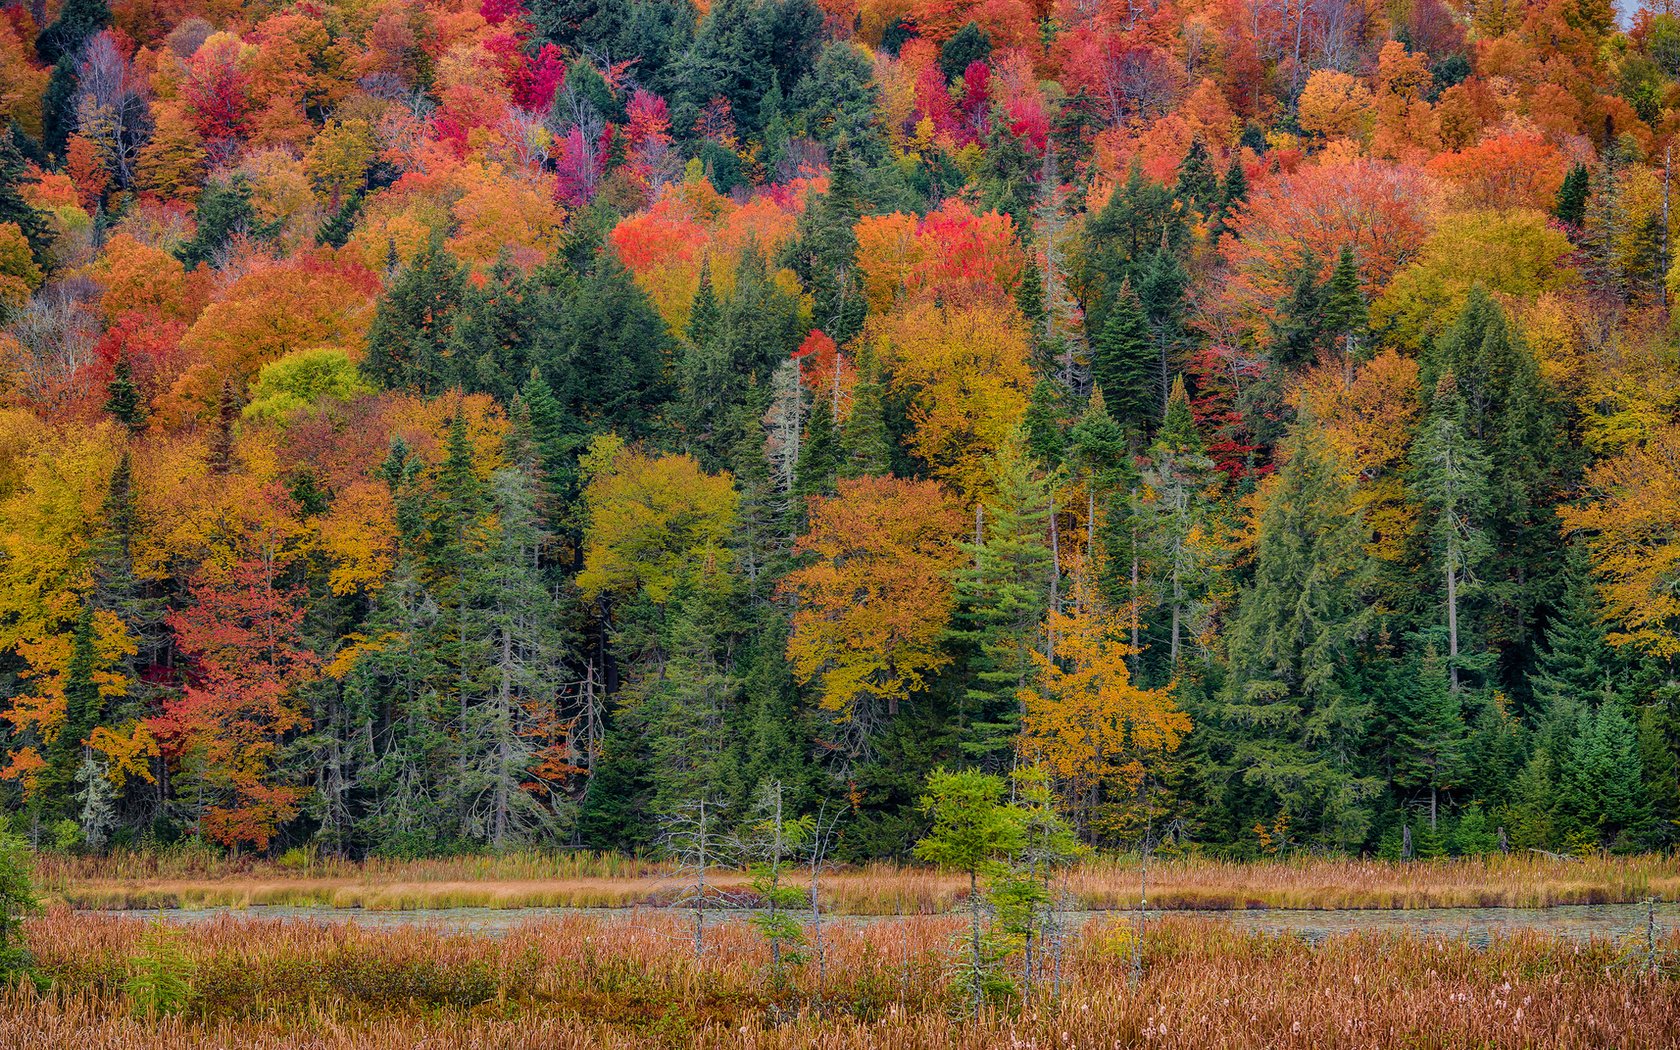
(1296, 726)
(1002, 595)
(1123, 362)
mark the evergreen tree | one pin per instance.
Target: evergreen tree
(409, 342)
(1298, 328)
(1571, 205)
(1295, 724)
(123, 400)
(83, 707)
(58, 105)
(1514, 415)
(1161, 291)
(489, 342)
(1198, 187)
(512, 614)
(1345, 314)
(336, 231)
(1233, 194)
(1429, 737)
(14, 209)
(1123, 362)
(77, 21)
(224, 210)
(1046, 422)
(1178, 523)
(865, 444)
(1002, 596)
(825, 256)
(1450, 479)
(968, 45)
(601, 347)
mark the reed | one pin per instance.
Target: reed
(593, 880)
(633, 981)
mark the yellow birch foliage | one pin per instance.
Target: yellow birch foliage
(966, 371)
(1368, 417)
(656, 523)
(874, 602)
(1632, 526)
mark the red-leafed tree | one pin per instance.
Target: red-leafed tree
(242, 634)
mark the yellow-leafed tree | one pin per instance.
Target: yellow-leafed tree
(874, 603)
(1085, 718)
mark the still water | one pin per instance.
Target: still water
(1476, 925)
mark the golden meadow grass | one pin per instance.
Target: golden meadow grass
(128, 880)
(632, 981)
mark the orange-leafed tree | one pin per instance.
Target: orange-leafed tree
(1379, 210)
(873, 599)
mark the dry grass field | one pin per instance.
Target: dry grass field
(617, 982)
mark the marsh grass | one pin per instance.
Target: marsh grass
(632, 981)
(594, 880)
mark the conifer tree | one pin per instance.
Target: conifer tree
(865, 444)
(409, 341)
(1002, 594)
(1178, 522)
(1429, 739)
(825, 257)
(1345, 314)
(1296, 723)
(123, 399)
(1233, 194)
(1450, 478)
(1571, 205)
(1123, 362)
(1197, 186)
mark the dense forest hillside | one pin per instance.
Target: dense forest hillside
(433, 425)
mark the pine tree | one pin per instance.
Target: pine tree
(409, 340)
(865, 445)
(1046, 422)
(819, 455)
(336, 231)
(1345, 314)
(123, 399)
(1514, 415)
(1123, 362)
(490, 343)
(1429, 739)
(77, 21)
(1178, 522)
(1002, 595)
(1295, 722)
(520, 650)
(1571, 205)
(13, 208)
(83, 708)
(1298, 328)
(1161, 291)
(1197, 186)
(1233, 194)
(825, 256)
(1450, 479)
(58, 105)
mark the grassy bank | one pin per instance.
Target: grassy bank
(608, 881)
(616, 983)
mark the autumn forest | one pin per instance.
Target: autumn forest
(441, 426)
